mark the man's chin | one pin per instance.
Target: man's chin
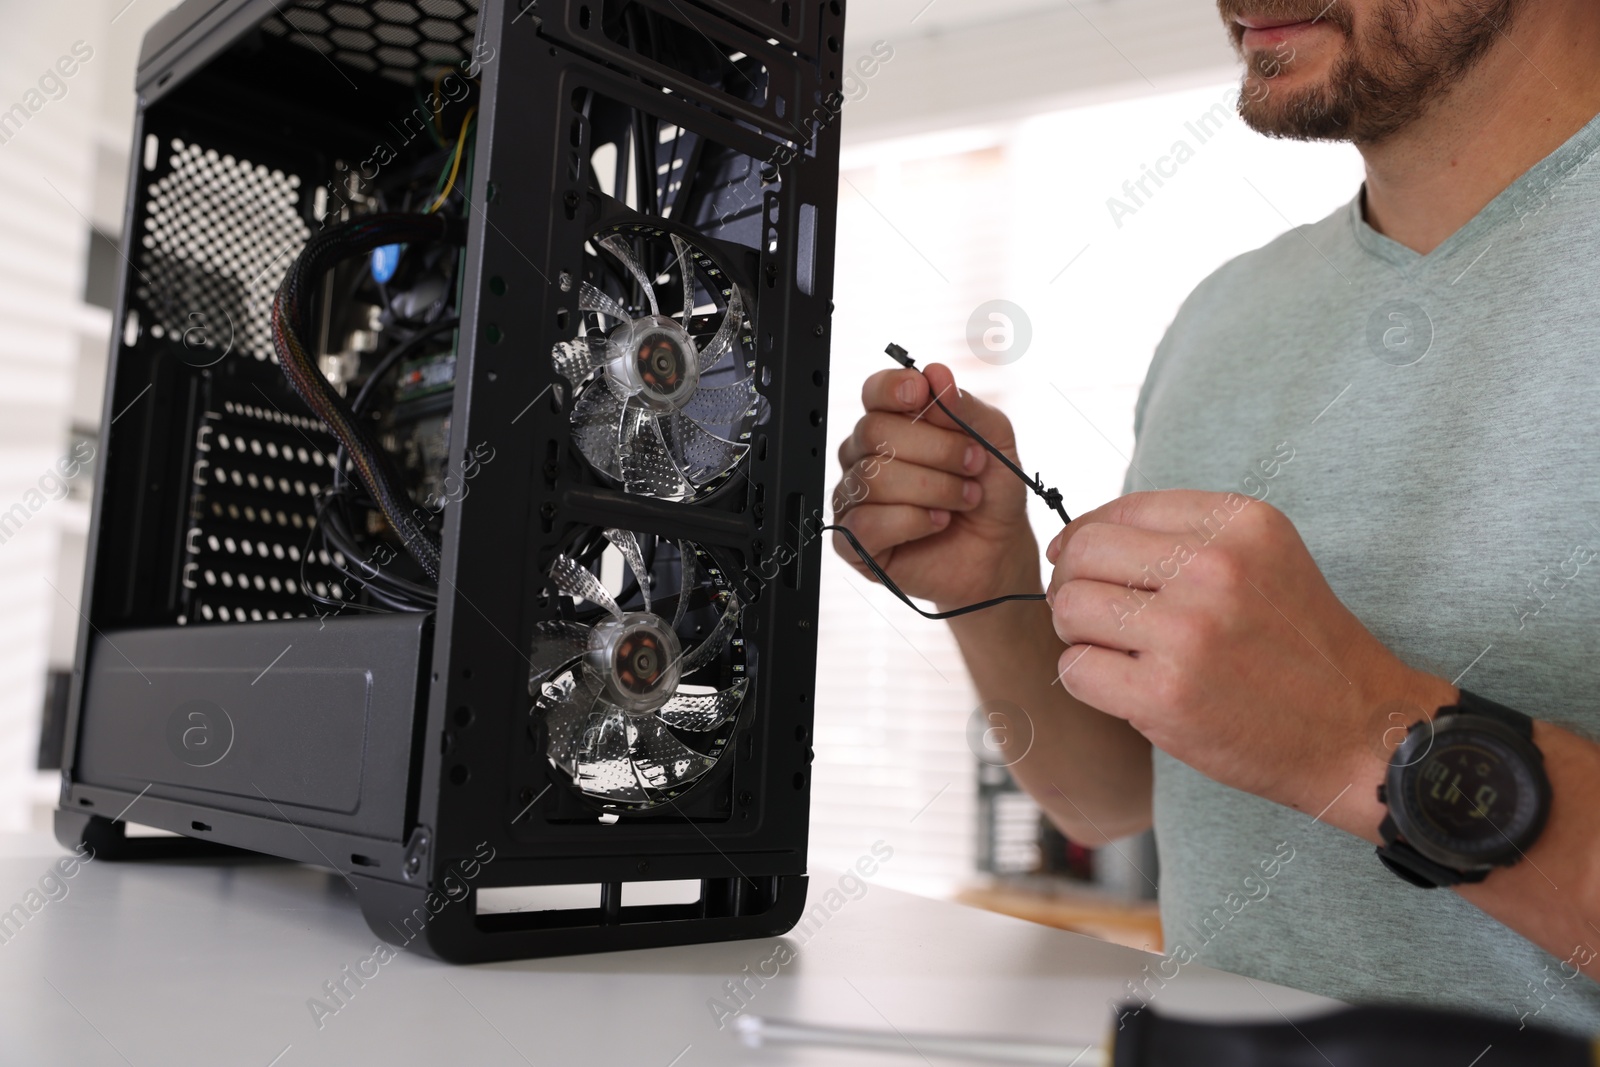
(1297, 103)
(1307, 114)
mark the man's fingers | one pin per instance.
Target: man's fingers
(887, 437)
(906, 483)
(1121, 555)
(1099, 613)
(901, 390)
(1102, 678)
(1167, 510)
(879, 527)
(906, 391)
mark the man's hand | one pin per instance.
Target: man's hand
(932, 507)
(1202, 620)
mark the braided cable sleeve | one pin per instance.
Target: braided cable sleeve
(292, 323)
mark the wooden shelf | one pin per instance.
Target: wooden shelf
(1134, 923)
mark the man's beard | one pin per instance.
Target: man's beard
(1384, 78)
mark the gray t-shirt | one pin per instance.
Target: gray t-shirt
(1440, 413)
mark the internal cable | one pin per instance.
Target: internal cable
(455, 163)
(382, 584)
(888, 583)
(292, 323)
(1051, 497)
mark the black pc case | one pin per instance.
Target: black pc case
(398, 748)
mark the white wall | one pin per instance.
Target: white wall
(45, 169)
(51, 168)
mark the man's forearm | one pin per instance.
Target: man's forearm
(1089, 771)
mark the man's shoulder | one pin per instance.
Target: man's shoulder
(1279, 269)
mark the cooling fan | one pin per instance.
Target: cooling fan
(664, 398)
(624, 720)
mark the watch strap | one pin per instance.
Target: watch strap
(1412, 866)
(1472, 704)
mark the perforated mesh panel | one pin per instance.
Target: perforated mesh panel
(219, 234)
(250, 554)
(399, 39)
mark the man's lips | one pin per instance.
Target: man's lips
(1262, 32)
(1251, 22)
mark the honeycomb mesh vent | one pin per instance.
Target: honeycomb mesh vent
(398, 39)
(219, 234)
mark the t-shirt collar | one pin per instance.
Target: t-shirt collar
(1521, 200)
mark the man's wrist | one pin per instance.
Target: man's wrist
(1392, 708)
(1019, 574)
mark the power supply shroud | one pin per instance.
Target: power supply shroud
(397, 749)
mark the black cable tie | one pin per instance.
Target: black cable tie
(1052, 497)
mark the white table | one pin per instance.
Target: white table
(213, 963)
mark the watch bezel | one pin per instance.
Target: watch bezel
(1406, 765)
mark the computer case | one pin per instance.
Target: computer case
(402, 749)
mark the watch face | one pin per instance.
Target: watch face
(1473, 799)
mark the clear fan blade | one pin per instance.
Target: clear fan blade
(700, 712)
(700, 454)
(724, 405)
(627, 543)
(597, 427)
(592, 299)
(714, 643)
(576, 360)
(687, 581)
(619, 248)
(573, 579)
(644, 462)
(567, 704)
(686, 271)
(555, 645)
(661, 760)
(722, 341)
(603, 765)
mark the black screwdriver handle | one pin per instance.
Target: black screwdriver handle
(1352, 1037)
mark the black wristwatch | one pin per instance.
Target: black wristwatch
(1466, 791)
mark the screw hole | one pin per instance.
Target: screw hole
(459, 774)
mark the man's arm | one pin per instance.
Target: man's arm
(1202, 620)
(1088, 771)
(949, 524)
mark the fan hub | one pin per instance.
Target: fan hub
(637, 658)
(655, 360)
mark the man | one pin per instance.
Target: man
(1412, 381)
